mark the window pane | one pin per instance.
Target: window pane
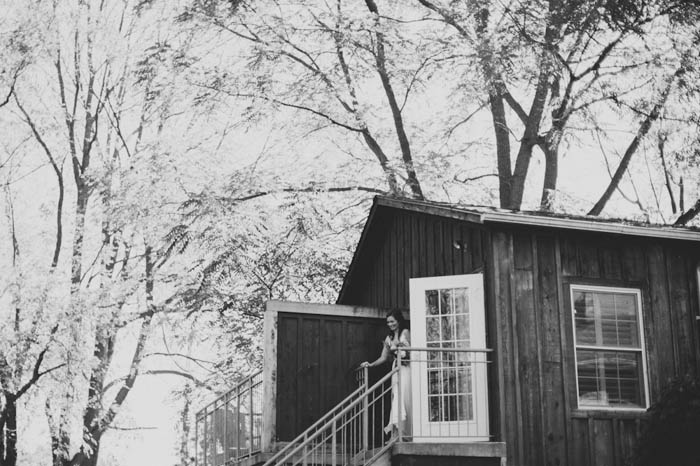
(610, 378)
(450, 405)
(461, 301)
(447, 328)
(606, 319)
(435, 409)
(462, 327)
(432, 329)
(431, 302)
(446, 302)
(434, 384)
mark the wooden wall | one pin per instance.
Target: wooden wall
(405, 245)
(532, 389)
(316, 355)
(532, 274)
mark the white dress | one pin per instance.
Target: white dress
(404, 375)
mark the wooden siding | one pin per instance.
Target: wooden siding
(528, 271)
(404, 245)
(316, 355)
(533, 270)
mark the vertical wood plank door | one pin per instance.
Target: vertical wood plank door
(449, 388)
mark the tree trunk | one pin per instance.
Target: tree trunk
(185, 423)
(9, 431)
(500, 127)
(551, 171)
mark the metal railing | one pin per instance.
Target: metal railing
(229, 428)
(346, 434)
(444, 392)
(449, 403)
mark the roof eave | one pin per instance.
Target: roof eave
(589, 225)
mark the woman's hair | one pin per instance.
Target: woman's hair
(398, 315)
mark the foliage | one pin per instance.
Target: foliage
(673, 430)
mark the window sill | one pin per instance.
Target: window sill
(603, 413)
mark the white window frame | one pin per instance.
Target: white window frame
(642, 343)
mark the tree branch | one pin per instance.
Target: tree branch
(632, 148)
(688, 215)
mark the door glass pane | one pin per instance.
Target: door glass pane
(446, 302)
(435, 410)
(432, 329)
(434, 383)
(447, 332)
(431, 302)
(461, 301)
(462, 326)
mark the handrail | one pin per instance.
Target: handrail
(307, 436)
(320, 421)
(229, 391)
(229, 428)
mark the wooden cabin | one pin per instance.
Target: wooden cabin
(536, 339)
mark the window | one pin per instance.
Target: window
(609, 346)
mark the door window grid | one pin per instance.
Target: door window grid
(450, 393)
(609, 351)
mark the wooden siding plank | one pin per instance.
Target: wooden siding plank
(287, 370)
(527, 348)
(333, 371)
(554, 418)
(440, 259)
(568, 255)
(478, 241)
(493, 340)
(309, 407)
(416, 245)
(451, 257)
(602, 434)
(610, 261)
(511, 422)
(466, 248)
(588, 258)
(633, 261)
(580, 449)
(657, 322)
(682, 317)
(404, 268)
(430, 249)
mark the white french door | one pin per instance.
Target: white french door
(449, 388)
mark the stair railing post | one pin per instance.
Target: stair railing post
(399, 406)
(227, 451)
(238, 423)
(250, 415)
(365, 408)
(303, 452)
(334, 445)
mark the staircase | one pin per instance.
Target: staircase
(350, 434)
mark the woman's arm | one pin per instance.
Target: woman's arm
(381, 359)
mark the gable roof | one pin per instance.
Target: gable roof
(491, 215)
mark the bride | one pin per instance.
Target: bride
(399, 336)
